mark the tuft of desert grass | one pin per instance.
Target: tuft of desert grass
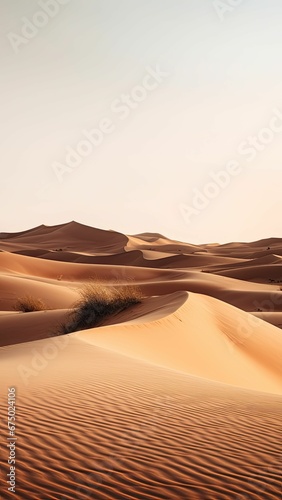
(28, 303)
(99, 301)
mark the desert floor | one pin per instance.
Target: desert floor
(177, 397)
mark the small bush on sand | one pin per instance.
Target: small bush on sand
(29, 304)
(97, 302)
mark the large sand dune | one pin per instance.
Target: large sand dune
(177, 397)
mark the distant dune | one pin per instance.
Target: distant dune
(176, 397)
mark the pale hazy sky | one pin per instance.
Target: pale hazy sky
(177, 91)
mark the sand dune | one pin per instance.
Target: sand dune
(260, 273)
(121, 428)
(177, 397)
(20, 327)
(69, 236)
(53, 293)
(153, 281)
(200, 327)
(275, 318)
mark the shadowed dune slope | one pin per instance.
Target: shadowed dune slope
(69, 236)
(20, 327)
(54, 294)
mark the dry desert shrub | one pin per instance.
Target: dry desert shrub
(29, 304)
(97, 302)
